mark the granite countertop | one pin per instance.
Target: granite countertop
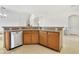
(13, 29)
(32, 29)
(19, 30)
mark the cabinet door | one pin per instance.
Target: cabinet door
(35, 37)
(53, 40)
(43, 38)
(7, 40)
(27, 37)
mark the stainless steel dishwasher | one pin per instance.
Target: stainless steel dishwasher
(16, 39)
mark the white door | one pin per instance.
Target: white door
(74, 24)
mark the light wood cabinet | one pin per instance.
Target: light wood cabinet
(46, 38)
(7, 40)
(30, 37)
(27, 37)
(53, 40)
(43, 37)
(35, 36)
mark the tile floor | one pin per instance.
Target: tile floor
(70, 46)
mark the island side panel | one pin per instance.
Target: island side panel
(7, 40)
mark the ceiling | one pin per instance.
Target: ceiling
(39, 9)
(35, 8)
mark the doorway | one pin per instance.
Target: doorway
(73, 24)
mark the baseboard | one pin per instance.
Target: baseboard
(15, 47)
(36, 44)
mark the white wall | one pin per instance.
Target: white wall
(14, 19)
(52, 15)
(59, 16)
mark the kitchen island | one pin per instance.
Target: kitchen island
(50, 37)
